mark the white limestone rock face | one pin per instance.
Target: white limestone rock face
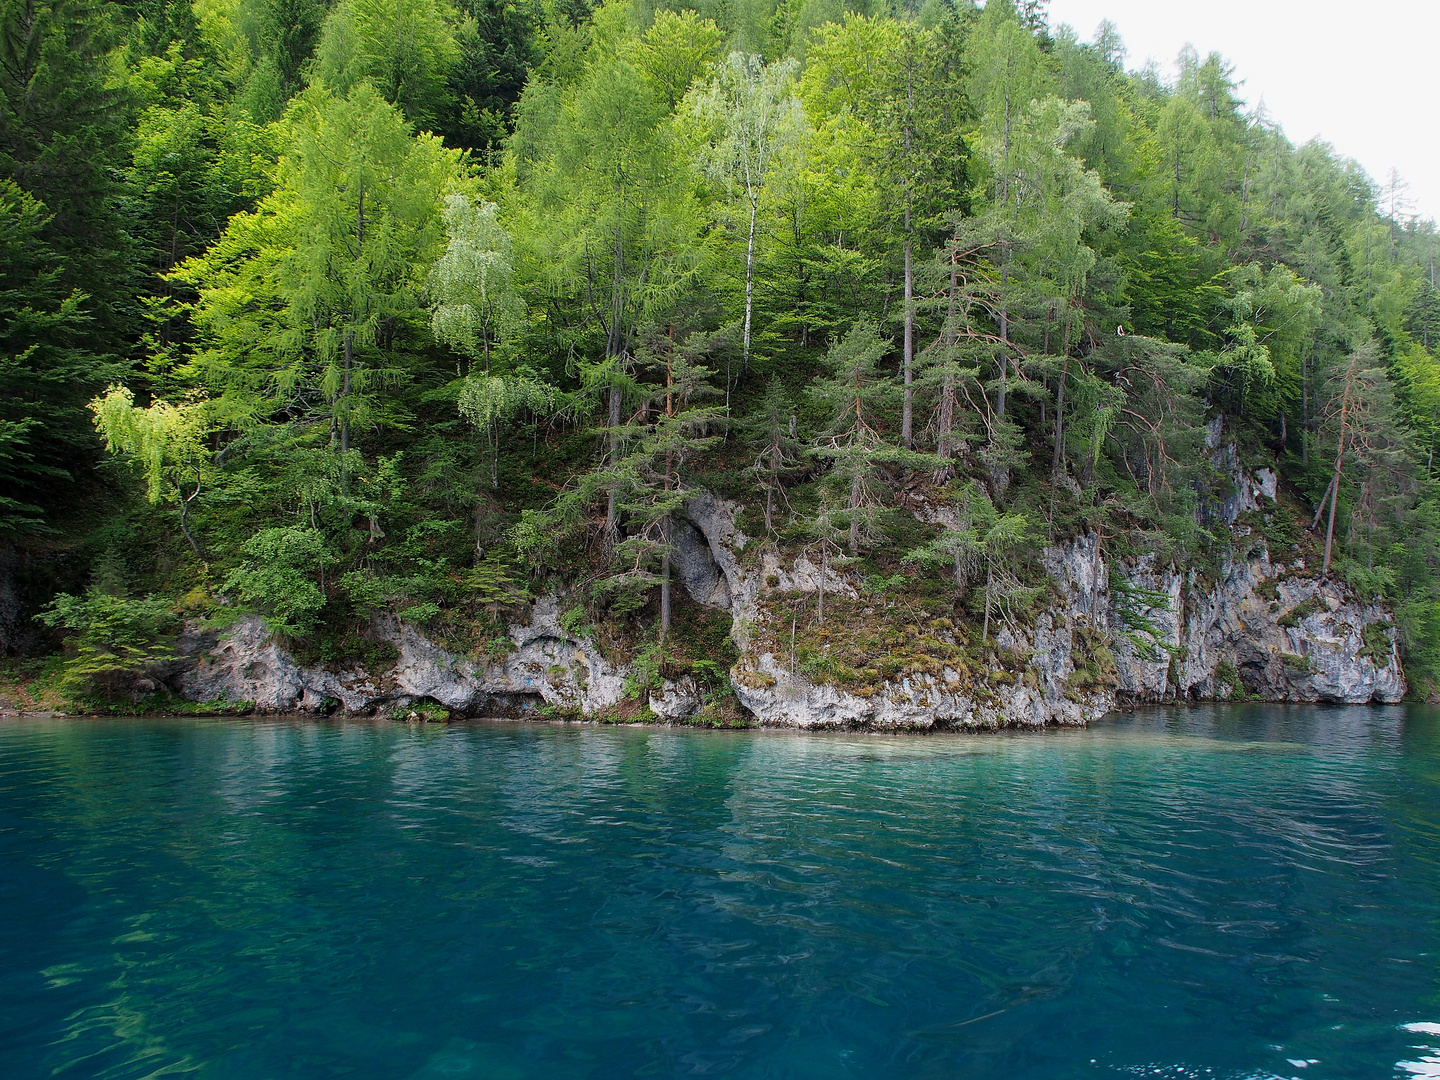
(697, 569)
(1266, 483)
(678, 699)
(548, 666)
(247, 664)
(1145, 631)
(781, 698)
(1040, 696)
(1267, 632)
(1263, 629)
(1083, 577)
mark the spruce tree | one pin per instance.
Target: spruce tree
(854, 392)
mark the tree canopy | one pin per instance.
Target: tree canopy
(375, 300)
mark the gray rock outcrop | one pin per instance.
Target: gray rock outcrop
(547, 666)
(1262, 630)
(1151, 635)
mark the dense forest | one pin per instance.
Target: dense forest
(328, 310)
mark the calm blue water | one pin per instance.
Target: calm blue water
(1212, 894)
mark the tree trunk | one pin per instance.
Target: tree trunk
(669, 479)
(1004, 347)
(770, 497)
(1060, 414)
(1320, 506)
(1304, 411)
(945, 447)
(665, 580)
(611, 523)
(854, 541)
(907, 408)
(185, 521)
(350, 333)
(945, 444)
(1335, 479)
(989, 577)
(824, 569)
(614, 347)
(1330, 526)
(907, 416)
(749, 288)
(345, 393)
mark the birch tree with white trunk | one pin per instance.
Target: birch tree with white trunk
(754, 117)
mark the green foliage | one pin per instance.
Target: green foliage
(923, 292)
(46, 373)
(301, 302)
(500, 42)
(166, 441)
(1227, 679)
(472, 286)
(337, 645)
(852, 392)
(406, 49)
(425, 711)
(112, 640)
(278, 575)
(779, 453)
(65, 112)
(644, 675)
(1375, 643)
(1300, 612)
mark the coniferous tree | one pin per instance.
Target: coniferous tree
(47, 373)
(611, 205)
(337, 252)
(64, 139)
(779, 452)
(670, 429)
(852, 393)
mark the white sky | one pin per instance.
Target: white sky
(1361, 76)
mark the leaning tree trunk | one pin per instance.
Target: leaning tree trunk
(855, 493)
(824, 570)
(1055, 456)
(1335, 479)
(665, 579)
(945, 442)
(611, 513)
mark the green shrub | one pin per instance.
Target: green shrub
(276, 576)
(1281, 529)
(112, 639)
(1301, 612)
(1367, 581)
(1227, 677)
(1375, 642)
(427, 711)
(644, 674)
(337, 644)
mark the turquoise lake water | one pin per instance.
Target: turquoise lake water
(1227, 893)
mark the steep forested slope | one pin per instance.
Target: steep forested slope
(425, 308)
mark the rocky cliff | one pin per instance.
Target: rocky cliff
(1263, 629)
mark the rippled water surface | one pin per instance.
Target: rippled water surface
(1222, 894)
